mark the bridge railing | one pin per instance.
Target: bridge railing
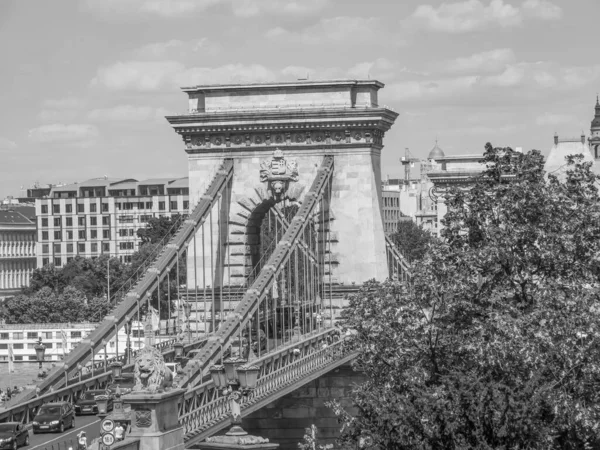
(25, 411)
(204, 410)
(260, 288)
(398, 265)
(157, 270)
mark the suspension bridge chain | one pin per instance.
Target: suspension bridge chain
(283, 268)
(398, 265)
(131, 302)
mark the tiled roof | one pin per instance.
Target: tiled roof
(10, 217)
(180, 183)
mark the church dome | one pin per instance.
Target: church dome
(436, 152)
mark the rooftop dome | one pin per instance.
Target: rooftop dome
(436, 152)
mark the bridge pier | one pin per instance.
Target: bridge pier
(305, 121)
(285, 420)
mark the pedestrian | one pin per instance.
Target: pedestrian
(119, 430)
(81, 441)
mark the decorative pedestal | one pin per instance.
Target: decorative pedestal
(154, 420)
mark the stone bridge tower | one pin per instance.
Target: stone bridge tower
(261, 126)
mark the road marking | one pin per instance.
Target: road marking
(63, 436)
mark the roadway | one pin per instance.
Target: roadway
(89, 424)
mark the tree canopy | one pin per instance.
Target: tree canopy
(411, 239)
(79, 289)
(495, 341)
(157, 228)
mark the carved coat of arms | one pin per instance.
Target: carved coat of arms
(278, 172)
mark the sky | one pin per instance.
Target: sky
(85, 84)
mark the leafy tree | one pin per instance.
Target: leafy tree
(158, 227)
(412, 240)
(45, 306)
(496, 341)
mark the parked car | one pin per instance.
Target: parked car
(13, 435)
(54, 417)
(87, 403)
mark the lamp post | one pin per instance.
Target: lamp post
(117, 369)
(188, 312)
(128, 344)
(237, 377)
(40, 350)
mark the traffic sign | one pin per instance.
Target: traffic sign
(107, 426)
(108, 439)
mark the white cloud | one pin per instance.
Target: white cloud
(60, 110)
(476, 15)
(341, 29)
(555, 119)
(252, 8)
(138, 9)
(64, 134)
(380, 68)
(497, 81)
(176, 49)
(542, 9)
(115, 9)
(63, 103)
(490, 61)
(157, 75)
(7, 144)
(128, 113)
(138, 75)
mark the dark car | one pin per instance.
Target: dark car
(54, 417)
(87, 403)
(13, 435)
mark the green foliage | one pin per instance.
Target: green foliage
(46, 306)
(158, 228)
(412, 240)
(310, 441)
(79, 289)
(85, 274)
(496, 342)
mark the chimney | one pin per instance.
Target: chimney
(555, 138)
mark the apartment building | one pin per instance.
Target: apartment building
(102, 216)
(60, 338)
(17, 247)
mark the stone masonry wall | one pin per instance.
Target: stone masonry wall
(284, 420)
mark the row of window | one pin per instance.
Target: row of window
(32, 335)
(80, 221)
(80, 247)
(148, 205)
(80, 208)
(19, 335)
(58, 261)
(105, 207)
(391, 202)
(82, 235)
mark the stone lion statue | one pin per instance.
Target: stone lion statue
(150, 372)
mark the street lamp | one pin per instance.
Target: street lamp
(117, 369)
(128, 345)
(40, 350)
(237, 377)
(187, 306)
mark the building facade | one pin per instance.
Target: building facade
(594, 139)
(17, 248)
(60, 338)
(102, 216)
